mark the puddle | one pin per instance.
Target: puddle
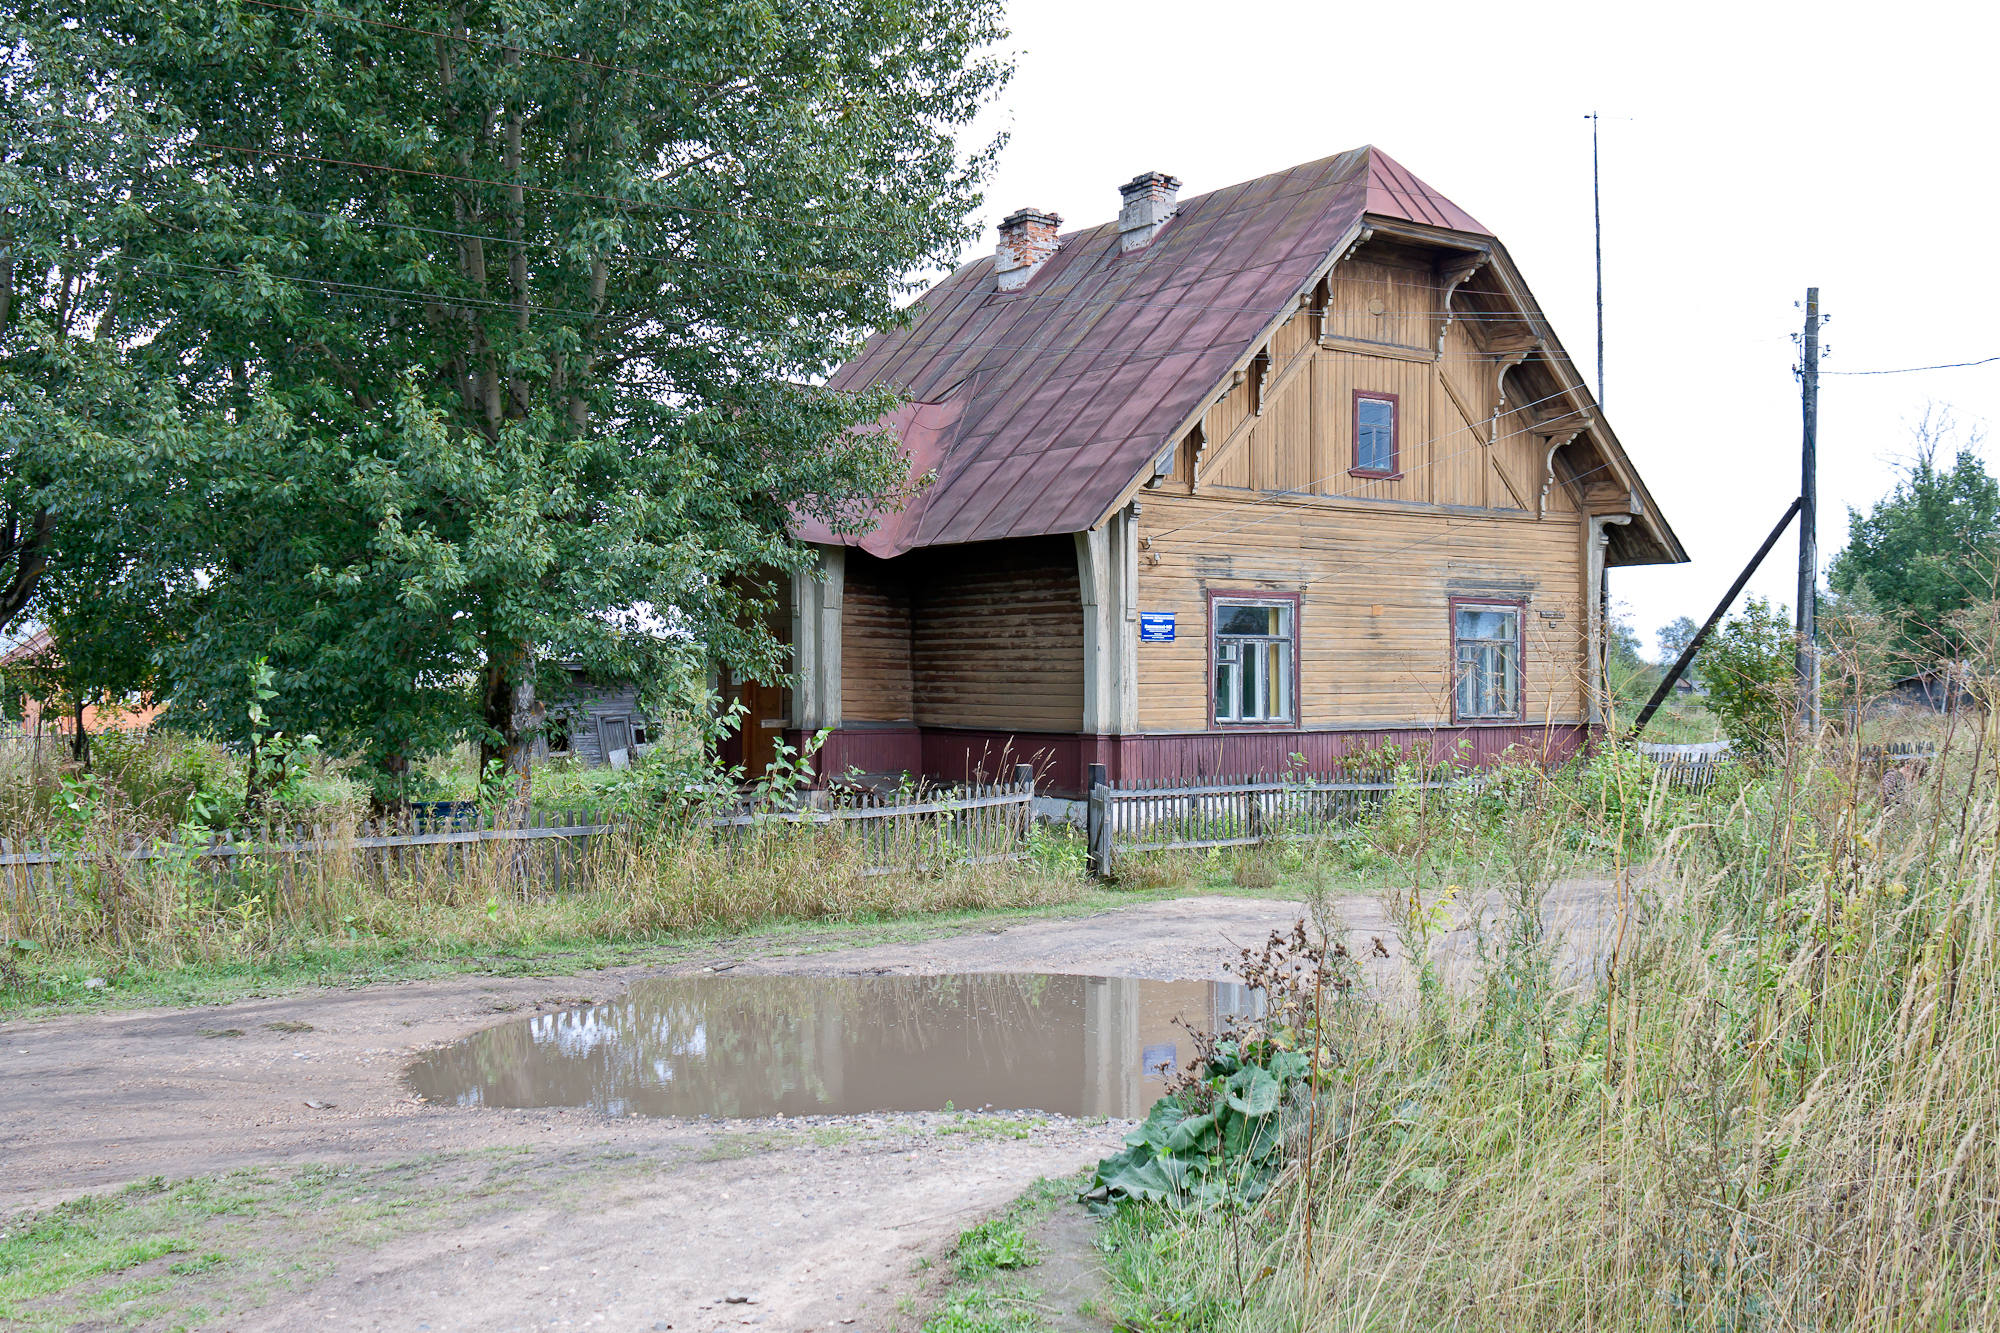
(758, 1046)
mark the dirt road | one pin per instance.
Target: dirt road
(540, 1217)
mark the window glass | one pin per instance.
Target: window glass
(1374, 435)
(1253, 661)
(1488, 642)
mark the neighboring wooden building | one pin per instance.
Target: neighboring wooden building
(597, 724)
(1293, 468)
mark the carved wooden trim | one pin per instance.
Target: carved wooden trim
(1451, 274)
(1277, 386)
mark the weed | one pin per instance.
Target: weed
(994, 1243)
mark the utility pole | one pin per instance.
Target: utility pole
(1807, 662)
(1597, 241)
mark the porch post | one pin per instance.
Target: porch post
(816, 602)
(1597, 682)
(1107, 563)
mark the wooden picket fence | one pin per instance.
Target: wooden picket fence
(1238, 810)
(1697, 772)
(545, 852)
(973, 824)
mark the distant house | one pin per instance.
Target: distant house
(1294, 468)
(38, 716)
(1940, 689)
(598, 724)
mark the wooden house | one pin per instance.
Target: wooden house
(1295, 468)
(598, 723)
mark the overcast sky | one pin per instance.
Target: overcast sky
(1765, 148)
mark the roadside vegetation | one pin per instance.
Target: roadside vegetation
(1771, 1107)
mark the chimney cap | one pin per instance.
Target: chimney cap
(1030, 213)
(1149, 180)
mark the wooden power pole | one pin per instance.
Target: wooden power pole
(1807, 663)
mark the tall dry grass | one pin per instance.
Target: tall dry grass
(643, 883)
(1775, 1106)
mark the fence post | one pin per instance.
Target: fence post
(1097, 822)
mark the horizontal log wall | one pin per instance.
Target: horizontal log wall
(875, 667)
(1374, 583)
(997, 635)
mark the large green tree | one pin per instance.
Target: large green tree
(490, 329)
(72, 150)
(1928, 548)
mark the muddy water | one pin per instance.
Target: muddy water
(760, 1046)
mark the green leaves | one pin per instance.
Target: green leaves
(1231, 1150)
(475, 341)
(1928, 548)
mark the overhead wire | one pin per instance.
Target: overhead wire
(1911, 370)
(1306, 490)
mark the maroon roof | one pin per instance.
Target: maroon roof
(1059, 393)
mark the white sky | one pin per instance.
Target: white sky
(1768, 148)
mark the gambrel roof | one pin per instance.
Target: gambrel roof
(1041, 408)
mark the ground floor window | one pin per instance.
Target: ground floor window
(1253, 659)
(1486, 640)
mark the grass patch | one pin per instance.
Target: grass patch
(192, 1250)
(990, 1264)
(53, 983)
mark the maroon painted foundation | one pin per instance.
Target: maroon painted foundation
(1062, 759)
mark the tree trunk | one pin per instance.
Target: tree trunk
(508, 708)
(79, 744)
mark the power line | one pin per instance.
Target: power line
(1307, 491)
(1911, 370)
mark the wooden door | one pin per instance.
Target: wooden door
(754, 743)
(614, 735)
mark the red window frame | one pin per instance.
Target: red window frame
(1297, 720)
(1395, 434)
(1520, 605)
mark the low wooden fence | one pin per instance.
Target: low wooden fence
(976, 824)
(1695, 768)
(1236, 811)
(543, 852)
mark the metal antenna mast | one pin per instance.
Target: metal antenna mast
(1597, 237)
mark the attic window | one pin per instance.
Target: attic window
(1375, 444)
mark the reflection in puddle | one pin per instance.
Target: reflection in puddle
(758, 1046)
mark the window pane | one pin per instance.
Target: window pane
(1252, 662)
(1375, 435)
(1485, 623)
(1243, 619)
(1488, 663)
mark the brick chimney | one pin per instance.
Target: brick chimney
(1149, 202)
(1027, 239)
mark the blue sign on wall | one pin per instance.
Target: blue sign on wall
(1156, 627)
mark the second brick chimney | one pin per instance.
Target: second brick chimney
(1149, 202)
(1027, 239)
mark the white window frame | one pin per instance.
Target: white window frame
(1231, 654)
(1472, 675)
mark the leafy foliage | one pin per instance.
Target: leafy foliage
(1675, 636)
(1928, 549)
(482, 339)
(1750, 661)
(1219, 1136)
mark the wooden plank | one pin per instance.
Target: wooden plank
(1217, 456)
